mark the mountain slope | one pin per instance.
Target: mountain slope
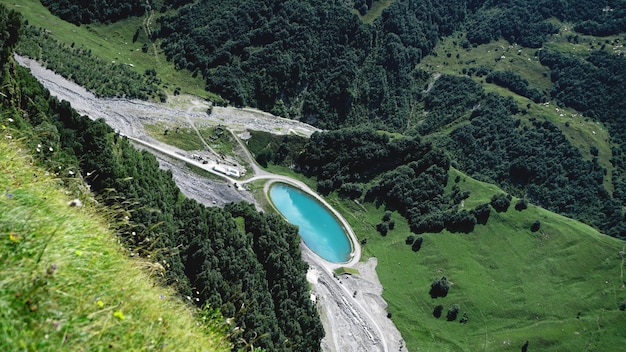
(67, 284)
(560, 287)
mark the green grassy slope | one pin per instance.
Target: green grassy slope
(113, 43)
(559, 288)
(66, 285)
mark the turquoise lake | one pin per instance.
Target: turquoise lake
(319, 228)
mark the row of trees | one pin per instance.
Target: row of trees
(252, 273)
(103, 78)
(515, 83)
(83, 12)
(450, 99)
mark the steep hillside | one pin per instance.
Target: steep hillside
(68, 285)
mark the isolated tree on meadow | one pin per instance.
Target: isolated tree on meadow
(417, 244)
(437, 311)
(439, 287)
(535, 226)
(453, 312)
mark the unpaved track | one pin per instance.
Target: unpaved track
(353, 322)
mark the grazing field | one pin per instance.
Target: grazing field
(180, 135)
(560, 287)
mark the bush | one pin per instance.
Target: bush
(437, 311)
(535, 226)
(521, 204)
(500, 202)
(382, 228)
(481, 213)
(432, 222)
(417, 245)
(351, 190)
(462, 221)
(453, 312)
(439, 287)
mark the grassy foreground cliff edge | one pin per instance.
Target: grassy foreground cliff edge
(66, 283)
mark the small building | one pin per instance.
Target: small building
(228, 171)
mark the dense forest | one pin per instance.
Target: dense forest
(533, 160)
(82, 12)
(206, 254)
(597, 88)
(403, 174)
(528, 22)
(313, 60)
(91, 11)
(316, 61)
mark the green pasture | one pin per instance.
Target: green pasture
(560, 288)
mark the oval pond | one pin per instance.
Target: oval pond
(319, 228)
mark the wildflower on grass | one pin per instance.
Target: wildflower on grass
(75, 203)
(119, 315)
(14, 237)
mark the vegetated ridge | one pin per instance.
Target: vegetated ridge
(68, 285)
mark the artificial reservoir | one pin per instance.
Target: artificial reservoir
(319, 228)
